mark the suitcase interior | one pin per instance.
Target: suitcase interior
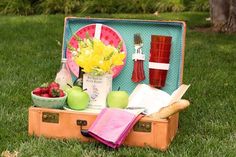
(127, 29)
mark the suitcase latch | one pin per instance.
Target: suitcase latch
(50, 117)
(143, 126)
(82, 123)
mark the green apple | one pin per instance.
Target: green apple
(117, 99)
(77, 99)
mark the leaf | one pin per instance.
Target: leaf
(77, 38)
(119, 46)
(70, 47)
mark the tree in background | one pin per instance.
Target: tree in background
(223, 15)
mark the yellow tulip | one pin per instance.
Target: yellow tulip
(108, 50)
(98, 47)
(106, 66)
(118, 58)
(97, 58)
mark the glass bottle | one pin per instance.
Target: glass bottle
(63, 77)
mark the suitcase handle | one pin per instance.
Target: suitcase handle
(85, 133)
(82, 123)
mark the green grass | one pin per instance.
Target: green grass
(30, 55)
(192, 19)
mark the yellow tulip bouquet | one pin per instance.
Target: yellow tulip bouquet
(96, 58)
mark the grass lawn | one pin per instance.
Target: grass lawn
(30, 55)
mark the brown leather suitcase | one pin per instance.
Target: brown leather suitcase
(54, 123)
(156, 133)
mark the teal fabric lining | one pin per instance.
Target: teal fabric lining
(127, 29)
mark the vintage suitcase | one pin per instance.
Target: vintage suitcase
(156, 133)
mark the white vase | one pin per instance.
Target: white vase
(98, 88)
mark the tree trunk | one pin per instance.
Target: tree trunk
(231, 22)
(223, 15)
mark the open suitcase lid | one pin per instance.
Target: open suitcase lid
(146, 28)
